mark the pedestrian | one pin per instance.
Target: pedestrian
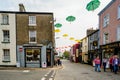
(58, 61)
(111, 63)
(97, 64)
(116, 63)
(104, 63)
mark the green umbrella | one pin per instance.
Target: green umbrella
(58, 25)
(70, 18)
(92, 5)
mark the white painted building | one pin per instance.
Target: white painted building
(85, 49)
(7, 39)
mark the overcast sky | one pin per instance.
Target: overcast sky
(61, 9)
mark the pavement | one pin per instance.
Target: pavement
(25, 68)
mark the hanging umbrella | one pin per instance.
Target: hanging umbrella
(70, 18)
(71, 38)
(57, 30)
(77, 40)
(92, 5)
(58, 25)
(65, 35)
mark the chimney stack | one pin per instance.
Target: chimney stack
(21, 8)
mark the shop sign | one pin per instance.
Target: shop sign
(110, 46)
(20, 49)
(44, 65)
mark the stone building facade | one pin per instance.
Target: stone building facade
(31, 38)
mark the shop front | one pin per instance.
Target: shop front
(92, 54)
(110, 49)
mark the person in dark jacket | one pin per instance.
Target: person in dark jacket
(116, 62)
(105, 63)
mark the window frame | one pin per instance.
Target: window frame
(32, 20)
(6, 55)
(105, 41)
(106, 20)
(32, 35)
(118, 16)
(5, 19)
(6, 38)
(118, 33)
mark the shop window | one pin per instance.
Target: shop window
(32, 55)
(6, 55)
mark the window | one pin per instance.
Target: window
(32, 20)
(106, 20)
(5, 19)
(6, 55)
(91, 37)
(6, 36)
(105, 38)
(32, 36)
(32, 55)
(118, 33)
(119, 12)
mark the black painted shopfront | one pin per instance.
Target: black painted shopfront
(110, 49)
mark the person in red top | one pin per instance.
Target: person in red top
(97, 64)
(111, 63)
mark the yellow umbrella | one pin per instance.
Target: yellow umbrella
(77, 40)
(57, 30)
(65, 35)
(71, 38)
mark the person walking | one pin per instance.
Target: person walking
(104, 63)
(97, 64)
(116, 63)
(111, 63)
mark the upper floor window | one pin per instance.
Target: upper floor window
(32, 36)
(5, 19)
(6, 55)
(118, 33)
(119, 12)
(6, 36)
(105, 38)
(91, 37)
(32, 20)
(106, 20)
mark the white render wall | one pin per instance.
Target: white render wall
(85, 44)
(12, 45)
(85, 49)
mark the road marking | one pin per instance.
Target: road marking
(43, 78)
(53, 74)
(50, 78)
(26, 71)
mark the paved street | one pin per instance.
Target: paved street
(77, 71)
(38, 74)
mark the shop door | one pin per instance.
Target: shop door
(48, 55)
